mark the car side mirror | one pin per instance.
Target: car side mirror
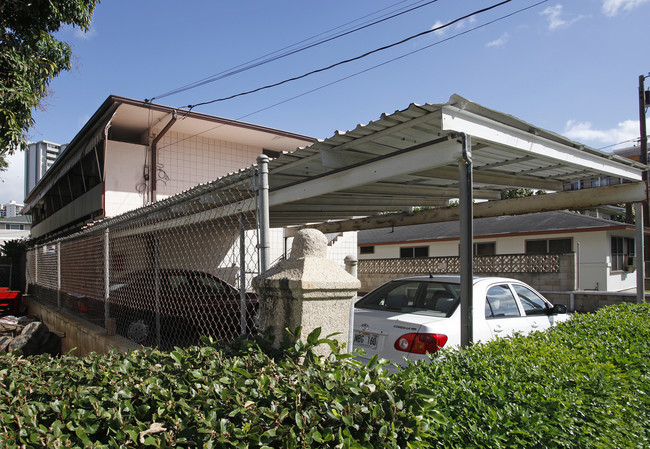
(557, 309)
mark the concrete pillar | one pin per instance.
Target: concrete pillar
(351, 263)
(306, 290)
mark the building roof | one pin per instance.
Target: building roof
(411, 158)
(19, 219)
(140, 118)
(542, 222)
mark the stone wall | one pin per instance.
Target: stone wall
(80, 337)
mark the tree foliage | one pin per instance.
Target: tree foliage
(30, 57)
(520, 193)
(13, 248)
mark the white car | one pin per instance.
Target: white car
(407, 318)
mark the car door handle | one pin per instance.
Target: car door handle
(534, 324)
(497, 328)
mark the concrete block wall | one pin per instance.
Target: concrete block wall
(588, 301)
(563, 280)
(80, 337)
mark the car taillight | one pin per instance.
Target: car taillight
(420, 343)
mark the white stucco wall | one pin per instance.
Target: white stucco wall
(618, 281)
(594, 258)
(191, 160)
(124, 163)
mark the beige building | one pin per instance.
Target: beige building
(133, 153)
(604, 249)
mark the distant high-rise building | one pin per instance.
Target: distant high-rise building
(11, 209)
(39, 156)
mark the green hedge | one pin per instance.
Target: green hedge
(582, 385)
(207, 397)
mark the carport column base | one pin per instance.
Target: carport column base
(307, 290)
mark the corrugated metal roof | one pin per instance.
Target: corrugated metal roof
(496, 166)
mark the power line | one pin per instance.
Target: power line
(271, 58)
(635, 140)
(356, 58)
(467, 31)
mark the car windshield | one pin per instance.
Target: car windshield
(413, 296)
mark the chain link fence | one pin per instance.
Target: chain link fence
(163, 275)
(6, 271)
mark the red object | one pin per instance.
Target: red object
(420, 343)
(9, 302)
(4, 289)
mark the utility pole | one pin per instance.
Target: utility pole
(644, 102)
(642, 209)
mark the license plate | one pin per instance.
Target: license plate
(365, 340)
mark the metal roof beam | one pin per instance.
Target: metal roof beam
(572, 199)
(409, 190)
(376, 200)
(495, 133)
(429, 155)
(493, 178)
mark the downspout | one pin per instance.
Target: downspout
(264, 245)
(153, 172)
(466, 241)
(103, 174)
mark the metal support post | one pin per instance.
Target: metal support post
(156, 261)
(263, 212)
(466, 243)
(242, 273)
(639, 252)
(36, 250)
(107, 278)
(58, 275)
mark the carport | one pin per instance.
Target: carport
(425, 155)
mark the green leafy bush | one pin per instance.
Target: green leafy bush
(583, 384)
(206, 397)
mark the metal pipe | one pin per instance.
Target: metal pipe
(242, 273)
(153, 173)
(578, 266)
(466, 242)
(639, 253)
(156, 257)
(107, 283)
(58, 275)
(263, 211)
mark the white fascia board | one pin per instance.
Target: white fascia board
(482, 128)
(434, 155)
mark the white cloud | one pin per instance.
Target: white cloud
(500, 41)
(439, 24)
(458, 26)
(463, 23)
(612, 7)
(624, 133)
(556, 17)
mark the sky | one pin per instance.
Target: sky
(571, 67)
